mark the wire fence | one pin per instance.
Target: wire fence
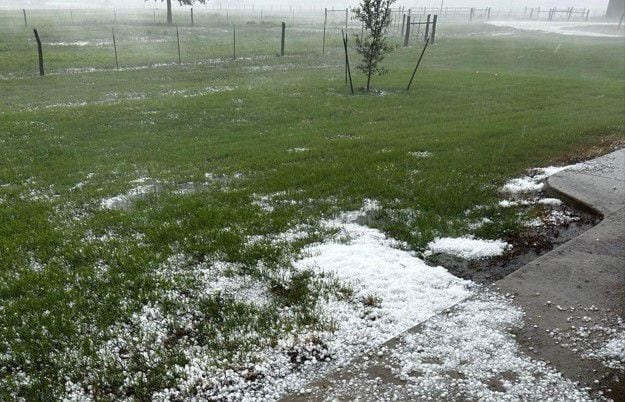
(83, 39)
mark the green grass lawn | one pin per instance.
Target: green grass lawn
(224, 152)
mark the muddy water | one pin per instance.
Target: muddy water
(527, 246)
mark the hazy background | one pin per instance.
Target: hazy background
(307, 4)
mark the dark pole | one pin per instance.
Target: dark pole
(418, 63)
(115, 49)
(25, 20)
(434, 28)
(325, 22)
(403, 25)
(427, 28)
(282, 41)
(40, 51)
(115, 16)
(234, 46)
(407, 37)
(178, 38)
(349, 71)
(419, 28)
(191, 16)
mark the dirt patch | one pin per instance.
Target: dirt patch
(606, 145)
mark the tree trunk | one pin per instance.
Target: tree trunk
(170, 19)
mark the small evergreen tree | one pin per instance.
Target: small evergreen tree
(374, 45)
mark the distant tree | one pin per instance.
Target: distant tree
(374, 45)
(170, 18)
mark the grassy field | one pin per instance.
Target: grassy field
(135, 196)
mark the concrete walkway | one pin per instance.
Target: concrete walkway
(580, 285)
(584, 277)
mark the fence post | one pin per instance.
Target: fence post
(25, 20)
(427, 28)
(403, 25)
(115, 49)
(114, 16)
(346, 18)
(234, 42)
(325, 22)
(178, 39)
(407, 37)
(154, 13)
(191, 16)
(419, 28)
(282, 41)
(40, 52)
(488, 14)
(433, 38)
(587, 14)
(471, 14)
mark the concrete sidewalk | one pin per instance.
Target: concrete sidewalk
(584, 277)
(580, 285)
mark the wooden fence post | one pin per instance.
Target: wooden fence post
(403, 25)
(488, 14)
(234, 42)
(433, 38)
(407, 36)
(427, 28)
(115, 49)
(282, 39)
(191, 16)
(325, 22)
(178, 39)
(114, 16)
(471, 14)
(346, 18)
(40, 52)
(25, 20)
(419, 28)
